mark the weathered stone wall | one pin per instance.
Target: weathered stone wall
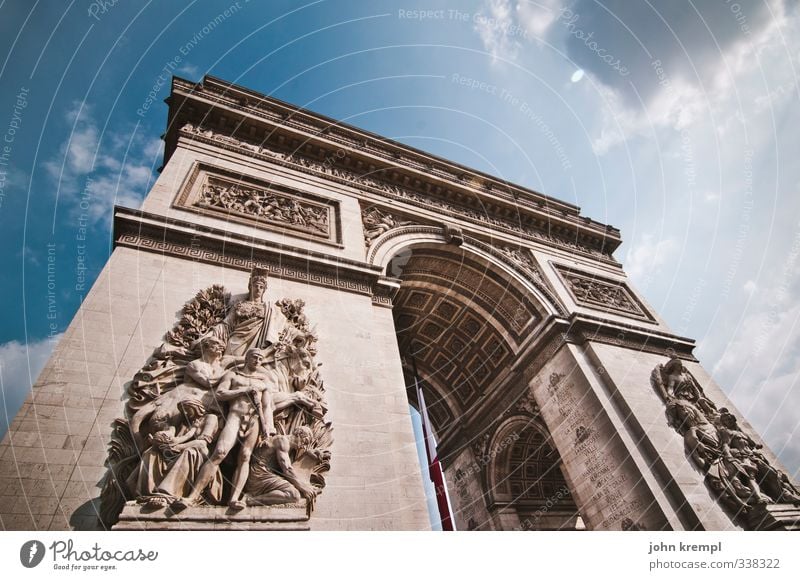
(52, 458)
(467, 497)
(600, 463)
(626, 372)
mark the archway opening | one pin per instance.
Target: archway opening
(461, 322)
(526, 480)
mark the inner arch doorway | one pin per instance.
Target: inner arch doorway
(462, 317)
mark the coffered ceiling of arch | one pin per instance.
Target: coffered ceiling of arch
(441, 408)
(466, 324)
(530, 471)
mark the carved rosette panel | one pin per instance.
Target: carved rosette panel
(602, 294)
(735, 469)
(230, 410)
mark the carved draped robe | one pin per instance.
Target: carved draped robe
(172, 474)
(250, 324)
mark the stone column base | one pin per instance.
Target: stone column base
(288, 517)
(780, 517)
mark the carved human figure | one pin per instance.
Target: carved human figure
(516, 255)
(206, 371)
(733, 464)
(680, 383)
(377, 223)
(169, 465)
(252, 401)
(160, 454)
(250, 411)
(699, 434)
(251, 322)
(201, 376)
(272, 479)
(738, 468)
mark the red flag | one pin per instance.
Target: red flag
(434, 467)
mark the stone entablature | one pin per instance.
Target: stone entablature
(155, 233)
(233, 118)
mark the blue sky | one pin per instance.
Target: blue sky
(676, 122)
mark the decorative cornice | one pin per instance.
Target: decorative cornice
(269, 108)
(154, 233)
(407, 175)
(385, 291)
(333, 171)
(587, 328)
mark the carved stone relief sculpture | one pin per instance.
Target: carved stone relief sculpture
(395, 191)
(522, 258)
(377, 222)
(734, 467)
(229, 411)
(592, 291)
(265, 205)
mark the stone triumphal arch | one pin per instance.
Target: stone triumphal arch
(247, 357)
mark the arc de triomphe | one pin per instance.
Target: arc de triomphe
(247, 356)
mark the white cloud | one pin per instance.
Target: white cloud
(20, 365)
(77, 154)
(153, 149)
(114, 168)
(677, 107)
(750, 287)
(730, 91)
(189, 71)
(761, 363)
(538, 17)
(646, 257)
(497, 30)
